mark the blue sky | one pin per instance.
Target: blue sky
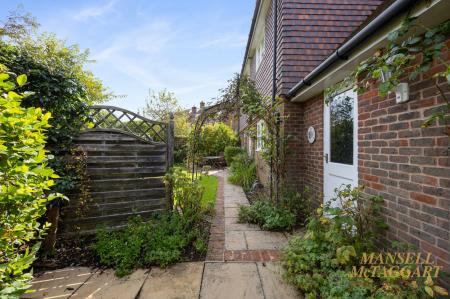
(190, 47)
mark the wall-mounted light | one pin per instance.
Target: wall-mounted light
(402, 93)
(401, 90)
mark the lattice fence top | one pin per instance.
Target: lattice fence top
(110, 118)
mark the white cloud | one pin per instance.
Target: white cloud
(95, 11)
(148, 40)
(231, 41)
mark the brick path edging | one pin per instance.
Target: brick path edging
(216, 243)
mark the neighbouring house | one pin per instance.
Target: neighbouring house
(214, 116)
(382, 145)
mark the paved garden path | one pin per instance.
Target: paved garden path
(242, 263)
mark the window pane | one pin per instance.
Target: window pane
(341, 130)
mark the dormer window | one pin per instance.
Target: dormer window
(259, 55)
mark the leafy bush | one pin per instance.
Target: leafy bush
(161, 241)
(232, 151)
(187, 194)
(267, 215)
(62, 86)
(180, 153)
(214, 138)
(24, 183)
(292, 209)
(164, 239)
(320, 261)
(242, 172)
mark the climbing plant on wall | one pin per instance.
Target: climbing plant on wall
(414, 49)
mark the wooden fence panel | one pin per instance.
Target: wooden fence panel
(125, 174)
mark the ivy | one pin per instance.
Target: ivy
(390, 65)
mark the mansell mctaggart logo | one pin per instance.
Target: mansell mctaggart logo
(396, 265)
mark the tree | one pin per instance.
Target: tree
(160, 104)
(61, 85)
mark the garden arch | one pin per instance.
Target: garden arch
(126, 156)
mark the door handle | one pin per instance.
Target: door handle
(326, 157)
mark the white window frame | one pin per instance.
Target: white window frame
(260, 51)
(260, 131)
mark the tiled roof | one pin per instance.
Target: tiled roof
(312, 30)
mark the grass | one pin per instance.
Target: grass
(209, 182)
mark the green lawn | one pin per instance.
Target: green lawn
(209, 182)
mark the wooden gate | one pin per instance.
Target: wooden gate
(126, 157)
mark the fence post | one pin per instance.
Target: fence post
(170, 159)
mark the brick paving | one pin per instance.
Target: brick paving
(233, 241)
(216, 242)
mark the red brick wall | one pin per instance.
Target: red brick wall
(408, 165)
(304, 161)
(313, 153)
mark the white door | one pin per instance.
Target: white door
(340, 143)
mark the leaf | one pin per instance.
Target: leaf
(429, 281)
(413, 40)
(14, 96)
(21, 79)
(429, 291)
(393, 35)
(440, 290)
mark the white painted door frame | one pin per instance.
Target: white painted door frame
(338, 174)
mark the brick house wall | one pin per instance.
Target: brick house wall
(308, 31)
(406, 164)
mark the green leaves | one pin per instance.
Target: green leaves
(21, 79)
(24, 179)
(345, 253)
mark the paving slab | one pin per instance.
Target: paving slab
(235, 240)
(106, 285)
(231, 212)
(181, 281)
(232, 223)
(231, 280)
(265, 240)
(58, 284)
(273, 285)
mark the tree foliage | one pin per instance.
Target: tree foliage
(60, 83)
(25, 181)
(215, 137)
(160, 104)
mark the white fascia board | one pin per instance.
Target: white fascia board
(428, 15)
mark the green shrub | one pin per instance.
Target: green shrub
(162, 240)
(242, 172)
(180, 154)
(62, 86)
(214, 138)
(292, 209)
(232, 151)
(319, 262)
(267, 215)
(25, 181)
